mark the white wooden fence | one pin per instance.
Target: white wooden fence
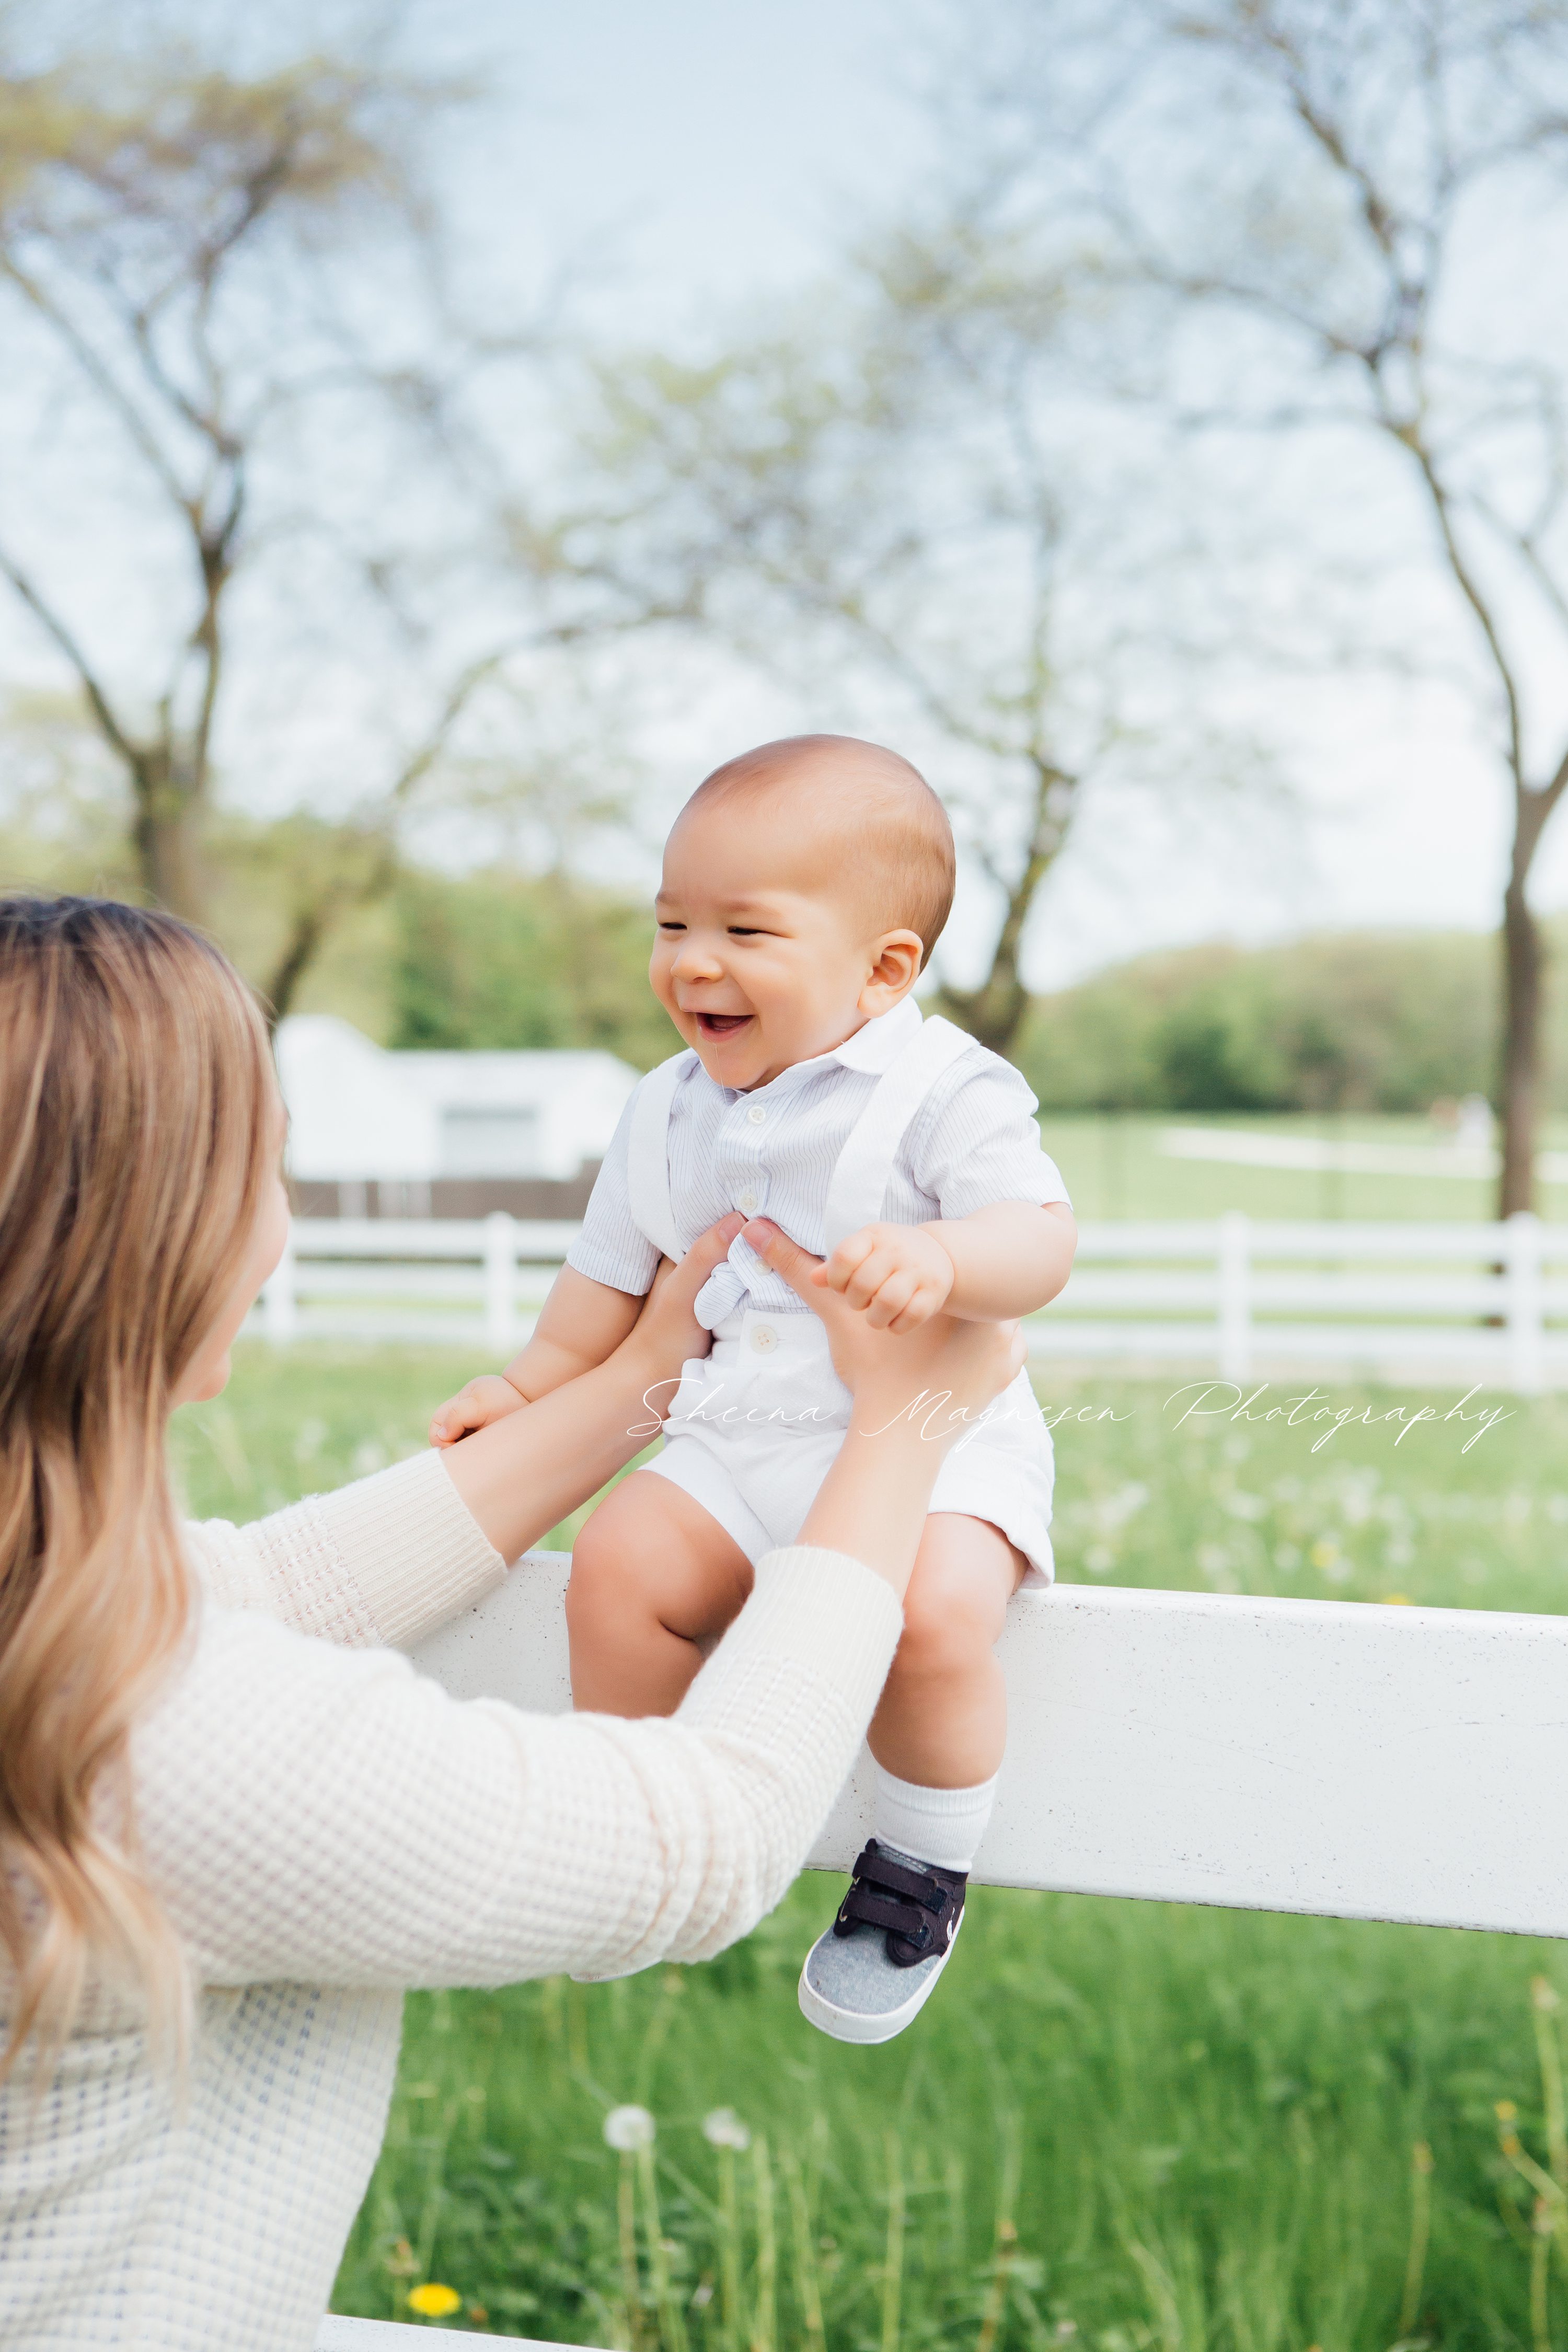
(1366, 1762)
(1408, 1301)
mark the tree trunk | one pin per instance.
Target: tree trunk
(1523, 959)
(993, 1014)
(167, 837)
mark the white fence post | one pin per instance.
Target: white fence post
(279, 1311)
(1235, 1296)
(1526, 1303)
(500, 1281)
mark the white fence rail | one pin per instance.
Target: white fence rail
(1366, 1762)
(1417, 1301)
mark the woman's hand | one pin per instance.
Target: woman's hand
(914, 1392)
(887, 1371)
(666, 1331)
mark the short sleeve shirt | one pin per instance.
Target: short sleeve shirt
(771, 1152)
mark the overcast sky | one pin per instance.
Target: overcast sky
(713, 149)
(697, 154)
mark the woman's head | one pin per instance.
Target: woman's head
(140, 1209)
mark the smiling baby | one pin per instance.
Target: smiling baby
(804, 885)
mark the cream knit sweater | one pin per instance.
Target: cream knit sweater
(327, 1828)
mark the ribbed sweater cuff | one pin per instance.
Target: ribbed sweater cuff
(822, 1609)
(415, 1550)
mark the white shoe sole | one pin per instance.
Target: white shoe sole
(856, 2025)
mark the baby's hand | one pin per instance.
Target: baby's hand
(487, 1399)
(898, 1275)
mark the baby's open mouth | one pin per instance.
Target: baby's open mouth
(721, 1024)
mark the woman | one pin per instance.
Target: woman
(234, 1824)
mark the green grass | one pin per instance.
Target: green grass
(1114, 1167)
(1142, 2128)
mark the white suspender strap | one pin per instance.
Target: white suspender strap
(859, 1181)
(648, 1153)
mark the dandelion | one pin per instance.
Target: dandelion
(722, 2128)
(434, 2301)
(1325, 1553)
(628, 2128)
(1396, 1600)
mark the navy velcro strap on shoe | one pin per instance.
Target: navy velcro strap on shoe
(864, 1907)
(902, 1900)
(918, 1886)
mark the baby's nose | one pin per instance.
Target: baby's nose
(697, 961)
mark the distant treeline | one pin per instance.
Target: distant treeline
(1353, 1020)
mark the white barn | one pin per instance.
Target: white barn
(359, 1114)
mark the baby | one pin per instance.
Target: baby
(804, 885)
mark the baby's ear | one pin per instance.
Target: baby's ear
(896, 966)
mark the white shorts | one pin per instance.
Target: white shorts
(754, 1426)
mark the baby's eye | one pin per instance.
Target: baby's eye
(740, 931)
(671, 926)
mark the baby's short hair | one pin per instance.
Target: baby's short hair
(900, 831)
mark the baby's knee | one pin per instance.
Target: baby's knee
(607, 1572)
(951, 1623)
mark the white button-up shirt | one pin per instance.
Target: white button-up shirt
(771, 1152)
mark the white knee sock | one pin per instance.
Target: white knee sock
(941, 1825)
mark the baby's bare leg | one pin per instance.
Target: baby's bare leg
(652, 1575)
(942, 1719)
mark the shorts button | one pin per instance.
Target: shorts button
(756, 1115)
(763, 1338)
(747, 1200)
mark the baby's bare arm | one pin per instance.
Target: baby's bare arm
(1003, 1261)
(1008, 1259)
(581, 1325)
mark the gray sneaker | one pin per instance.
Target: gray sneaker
(879, 1962)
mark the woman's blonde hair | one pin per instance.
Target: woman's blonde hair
(136, 1123)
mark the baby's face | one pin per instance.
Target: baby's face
(762, 958)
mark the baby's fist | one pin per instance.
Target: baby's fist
(900, 1275)
(487, 1399)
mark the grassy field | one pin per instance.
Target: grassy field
(1115, 1167)
(1134, 2126)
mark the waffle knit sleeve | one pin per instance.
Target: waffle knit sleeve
(319, 1816)
(381, 1560)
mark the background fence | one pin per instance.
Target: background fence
(1403, 1300)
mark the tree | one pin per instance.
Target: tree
(894, 492)
(207, 276)
(1316, 190)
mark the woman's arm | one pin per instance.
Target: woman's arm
(311, 1815)
(386, 1559)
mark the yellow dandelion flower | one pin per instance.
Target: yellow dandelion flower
(1505, 2111)
(1323, 1553)
(1396, 1600)
(434, 2302)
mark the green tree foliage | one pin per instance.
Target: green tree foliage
(1357, 1021)
(505, 960)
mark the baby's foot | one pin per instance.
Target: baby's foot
(876, 1966)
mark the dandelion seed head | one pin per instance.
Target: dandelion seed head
(629, 2128)
(722, 2128)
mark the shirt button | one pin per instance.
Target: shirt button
(747, 1200)
(763, 1338)
(756, 1115)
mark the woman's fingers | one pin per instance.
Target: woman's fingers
(668, 1323)
(780, 1255)
(683, 1281)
